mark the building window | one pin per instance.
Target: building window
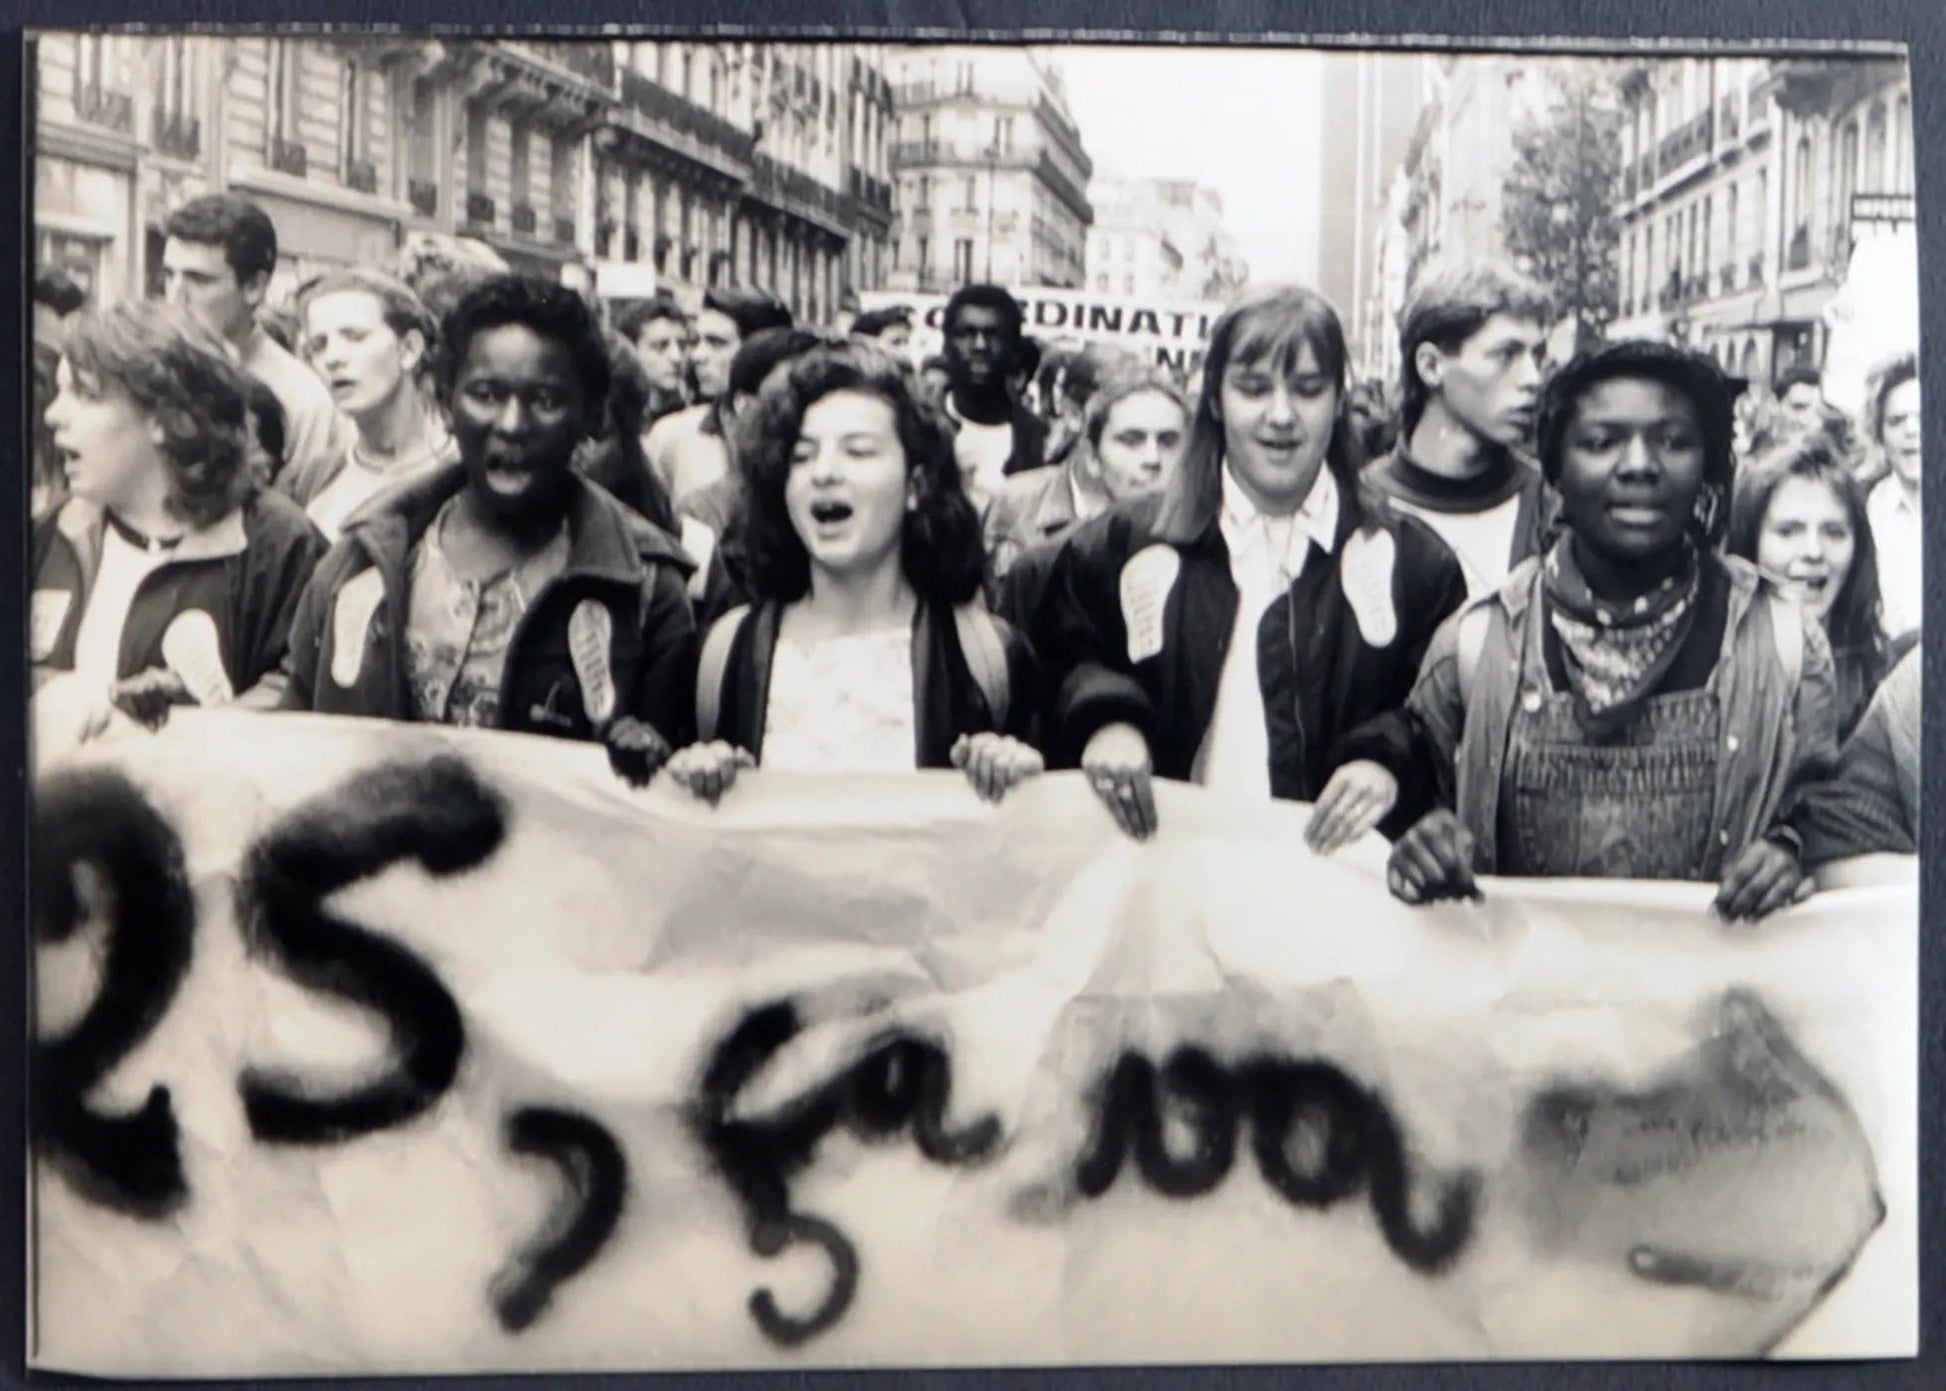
(968, 202)
(281, 90)
(356, 137)
(476, 149)
(1901, 177)
(175, 75)
(521, 161)
(1847, 177)
(423, 148)
(923, 252)
(1128, 283)
(1800, 184)
(1003, 134)
(963, 260)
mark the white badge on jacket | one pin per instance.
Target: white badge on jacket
(590, 630)
(1365, 575)
(49, 611)
(1147, 578)
(194, 652)
(351, 624)
(700, 541)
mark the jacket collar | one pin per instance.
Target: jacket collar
(604, 541)
(82, 523)
(1523, 587)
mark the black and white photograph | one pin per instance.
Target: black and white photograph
(702, 702)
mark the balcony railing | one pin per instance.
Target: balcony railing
(564, 230)
(1685, 143)
(1799, 255)
(773, 181)
(423, 194)
(289, 157)
(178, 134)
(524, 219)
(362, 174)
(660, 105)
(97, 106)
(479, 209)
(590, 59)
(872, 192)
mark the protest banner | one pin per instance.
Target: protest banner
(379, 1048)
(1170, 334)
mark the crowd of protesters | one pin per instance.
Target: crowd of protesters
(1623, 616)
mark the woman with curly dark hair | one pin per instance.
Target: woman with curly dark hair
(168, 576)
(865, 648)
(1629, 704)
(503, 590)
(1798, 515)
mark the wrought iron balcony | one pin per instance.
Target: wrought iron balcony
(591, 59)
(662, 106)
(96, 106)
(423, 194)
(178, 134)
(1688, 141)
(289, 157)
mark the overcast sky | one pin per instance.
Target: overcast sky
(1245, 122)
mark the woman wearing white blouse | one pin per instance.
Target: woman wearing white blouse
(865, 649)
(1239, 627)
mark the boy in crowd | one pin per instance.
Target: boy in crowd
(217, 260)
(1470, 345)
(997, 435)
(686, 449)
(659, 332)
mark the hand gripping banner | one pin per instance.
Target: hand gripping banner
(376, 1048)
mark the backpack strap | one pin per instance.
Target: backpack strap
(986, 657)
(1787, 628)
(711, 669)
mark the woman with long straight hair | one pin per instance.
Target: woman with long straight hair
(1235, 629)
(865, 648)
(1798, 515)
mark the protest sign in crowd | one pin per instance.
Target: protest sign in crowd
(1622, 617)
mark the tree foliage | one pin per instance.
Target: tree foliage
(1561, 218)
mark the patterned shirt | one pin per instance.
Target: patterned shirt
(842, 705)
(458, 630)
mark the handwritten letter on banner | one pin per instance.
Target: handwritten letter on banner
(373, 1048)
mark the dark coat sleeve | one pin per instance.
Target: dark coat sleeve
(283, 555)
(665, 691)
(1083, 644)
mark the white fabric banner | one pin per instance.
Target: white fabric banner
(375, 1048)
(1169, 334)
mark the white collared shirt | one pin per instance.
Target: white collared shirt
(1267, 554)
(1898, 534)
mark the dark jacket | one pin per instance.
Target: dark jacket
(948, 700)
(1321, 677)
(246, 572)
(616, 559)
(1871, 805)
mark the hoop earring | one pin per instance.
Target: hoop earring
(1708, 502)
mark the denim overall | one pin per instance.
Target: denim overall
(1640, 807)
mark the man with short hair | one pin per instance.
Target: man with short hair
(890, 328)
(1800, 391)
(659, 332)
(217, 260)
(997, 435)
(686, 449)
(1471, 342)
(56, 299)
